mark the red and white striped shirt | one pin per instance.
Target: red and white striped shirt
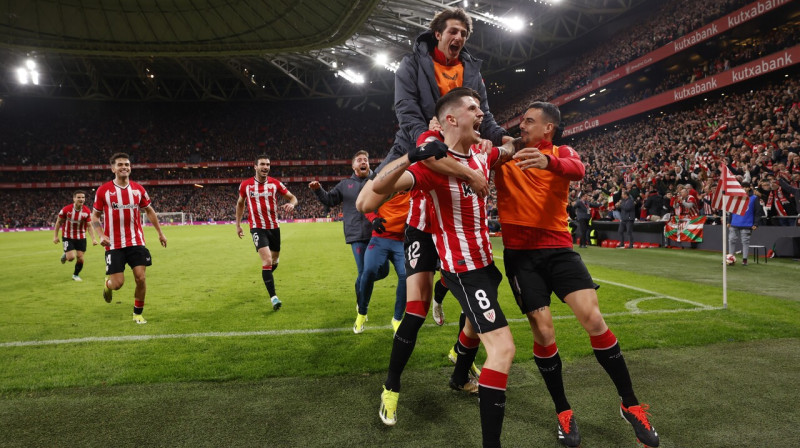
(121, 210)
(421, 211)
(75, 221)
(462, 238)
(262, 201)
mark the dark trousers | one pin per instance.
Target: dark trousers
(583, 232)
(625, 227)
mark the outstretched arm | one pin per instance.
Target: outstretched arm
(393, 177)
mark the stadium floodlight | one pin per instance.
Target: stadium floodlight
(382, 59)
(514, 24)
(350, 75)
(28, 73)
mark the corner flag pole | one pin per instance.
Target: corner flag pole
(724, 250)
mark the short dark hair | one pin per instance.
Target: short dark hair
(77, 192)
(118, 155)
(549, 110)
(359, 153)
(261, 156)
(454, 96)
(439, 22)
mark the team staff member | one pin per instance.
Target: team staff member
(532, 197)
(260, 194)
(357, 228)
(120, 202)
(73, 221)
(462, 241)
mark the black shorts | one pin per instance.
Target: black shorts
(133, 256)
(476, 291)
(421, 254)
(267, 238)
(74, 244)
(535, 274)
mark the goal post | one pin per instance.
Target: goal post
(174, 218)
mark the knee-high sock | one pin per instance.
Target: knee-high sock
(404, 341)
(492, 395)
(78, 267)
(439, 291)
(466, 349)
(269, 281)
(549, 363)
(608, 354)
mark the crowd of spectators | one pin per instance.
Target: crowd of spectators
(755, 133)
(744, 51)
(213, 203)
(56, 134)
(664, 23)
(659, 160)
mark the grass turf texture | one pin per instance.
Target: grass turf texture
(248, 376)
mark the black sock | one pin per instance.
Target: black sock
(403, 345)
(492, 408)
(614, 364)
(269, 282)
(550, 368)
(274, 267)
(464, 360)
(439, 291)
(78, 267)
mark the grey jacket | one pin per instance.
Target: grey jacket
(416, 93)
(356, 226)
(627, 209)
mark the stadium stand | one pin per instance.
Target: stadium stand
(45, 152)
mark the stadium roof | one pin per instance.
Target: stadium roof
(189, 50)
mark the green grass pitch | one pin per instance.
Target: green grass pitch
(215, 366)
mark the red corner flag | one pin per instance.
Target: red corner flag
(737, 197)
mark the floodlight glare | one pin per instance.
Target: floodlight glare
(381, 59)
(34, 77)
(514, 24)
(353, 77)
(30, 64)
(22, 75)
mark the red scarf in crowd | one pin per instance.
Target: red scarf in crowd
(780, 202)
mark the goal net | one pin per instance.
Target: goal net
(174, 218)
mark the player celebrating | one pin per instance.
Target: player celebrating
(462, 241)
(532, 198)
(260, 193)
(119, 202)
(73, 221)
(357, 228)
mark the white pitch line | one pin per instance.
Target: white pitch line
(231, 334)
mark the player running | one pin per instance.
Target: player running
(119, 202)
(73, 221)
(260, 193)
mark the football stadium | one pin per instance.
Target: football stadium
(562, 222)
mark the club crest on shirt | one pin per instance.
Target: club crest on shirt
(490, 315)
